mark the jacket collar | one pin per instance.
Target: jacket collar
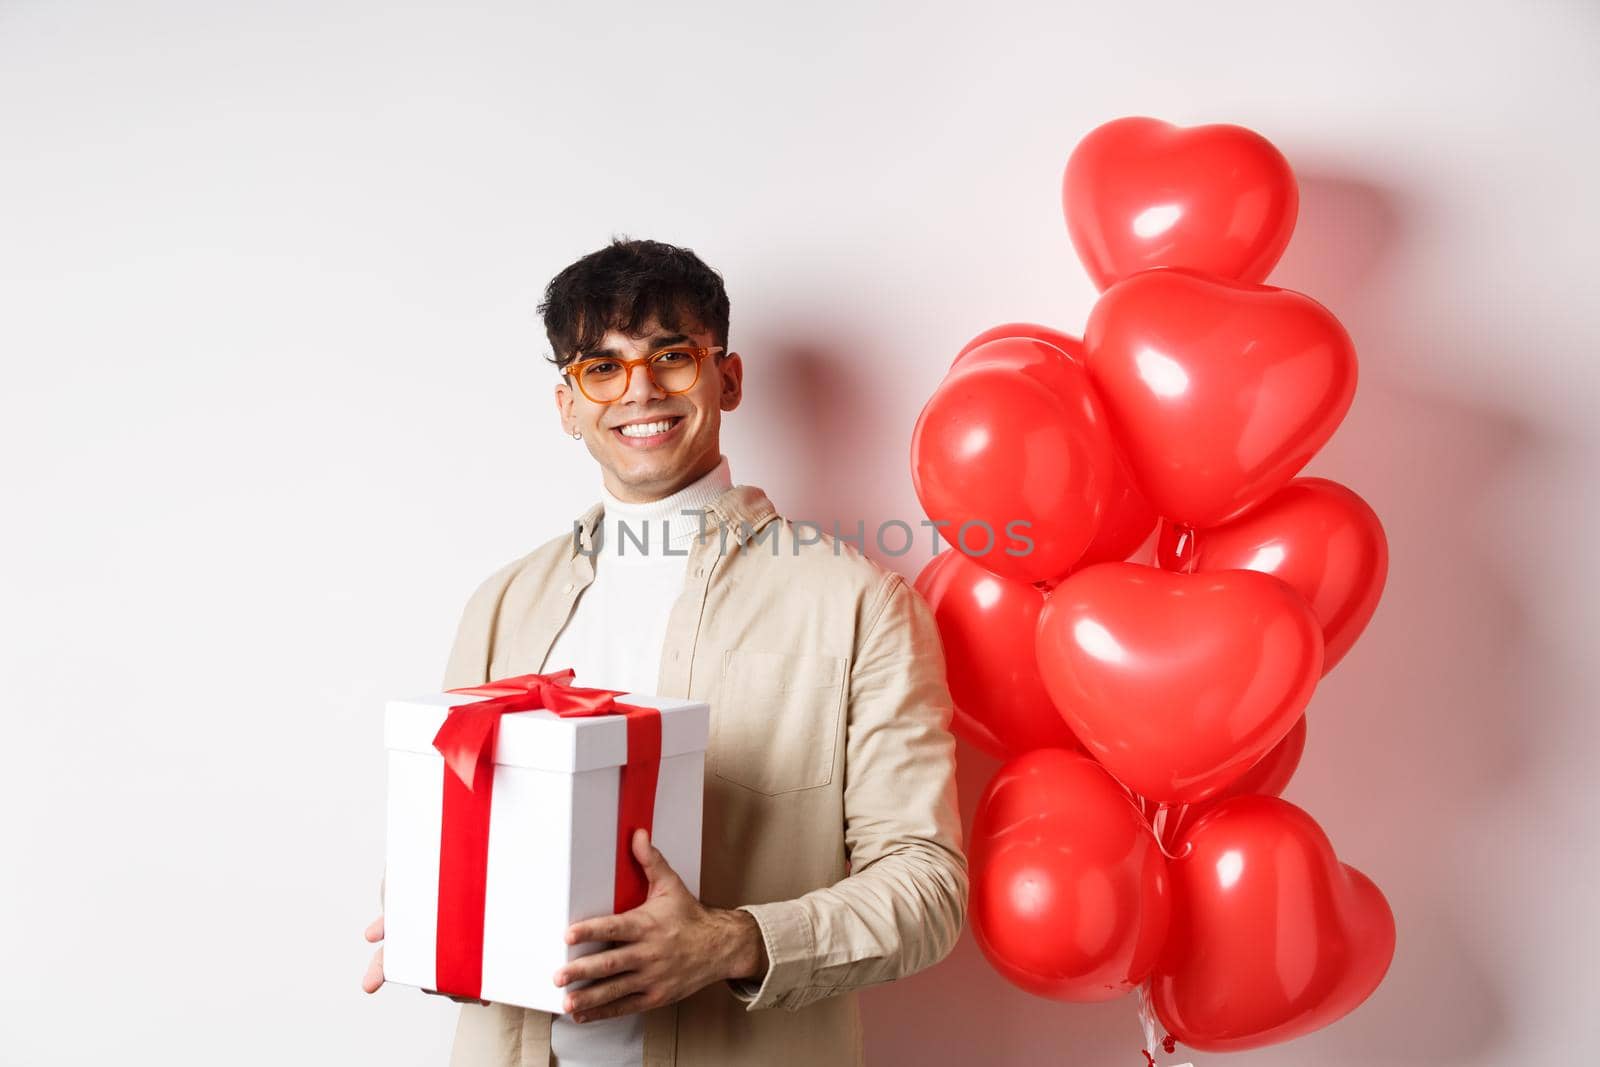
(743, 509)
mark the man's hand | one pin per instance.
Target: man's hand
(373, 979)
(673, 946)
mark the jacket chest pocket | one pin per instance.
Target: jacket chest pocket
(775, 724)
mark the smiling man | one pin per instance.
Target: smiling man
(831, 856)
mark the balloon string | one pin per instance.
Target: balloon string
(1177, 824)
(1151, 1026)
(1133, 798)
(1155, 815)
(1184, 548)
(1160, 829)
(1147, 1023)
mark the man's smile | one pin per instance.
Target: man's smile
(648, 433)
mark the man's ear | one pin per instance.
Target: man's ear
(732, 382)
(564, 406)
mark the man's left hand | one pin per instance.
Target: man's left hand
(671, 947)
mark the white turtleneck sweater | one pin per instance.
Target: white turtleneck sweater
(613, 641)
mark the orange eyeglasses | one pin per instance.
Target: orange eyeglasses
(604, 379)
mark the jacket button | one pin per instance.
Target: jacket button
(699, 572)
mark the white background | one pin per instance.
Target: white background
(273, 403)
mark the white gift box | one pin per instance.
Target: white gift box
(552, 835)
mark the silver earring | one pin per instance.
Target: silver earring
(576, 436)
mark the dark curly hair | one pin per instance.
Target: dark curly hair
(622, 286)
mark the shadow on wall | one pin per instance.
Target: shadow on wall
(1412, 738)
(825, 403)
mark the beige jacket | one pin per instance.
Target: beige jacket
(830, 803)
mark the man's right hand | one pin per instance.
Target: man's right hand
(373, 979)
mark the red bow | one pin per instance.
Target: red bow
(467, 742)
(467, 738)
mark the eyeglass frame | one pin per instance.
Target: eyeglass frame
(701, 354)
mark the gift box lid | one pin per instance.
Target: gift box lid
(547, 741)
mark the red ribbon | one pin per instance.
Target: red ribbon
(467, 742)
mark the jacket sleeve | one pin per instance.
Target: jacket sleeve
(901, 908)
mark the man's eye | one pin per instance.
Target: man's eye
(673, 355)
(605, 366)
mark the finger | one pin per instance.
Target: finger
(643, 850)
(656, 867)
(594, 998)
(373, 979)
(622, 1006)
(599, 965)
(623, 927)
(374, 930)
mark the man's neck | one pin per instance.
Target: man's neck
(695, 494)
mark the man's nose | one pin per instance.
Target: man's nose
(641, 387)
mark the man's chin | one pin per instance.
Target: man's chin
(645, 467)
(649, 474)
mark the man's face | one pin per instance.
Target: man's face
(643, 468)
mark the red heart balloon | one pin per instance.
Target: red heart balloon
(1313, 533)
(1139, 193)
(1272, 937)
(1218, 392)
(1012, 456)
(1177, 683)
(1069, 890)
(1127, 518)
(1068, 344)
(986, 625)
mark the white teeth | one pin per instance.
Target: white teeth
(646, 429)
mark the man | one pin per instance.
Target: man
(831, 855)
